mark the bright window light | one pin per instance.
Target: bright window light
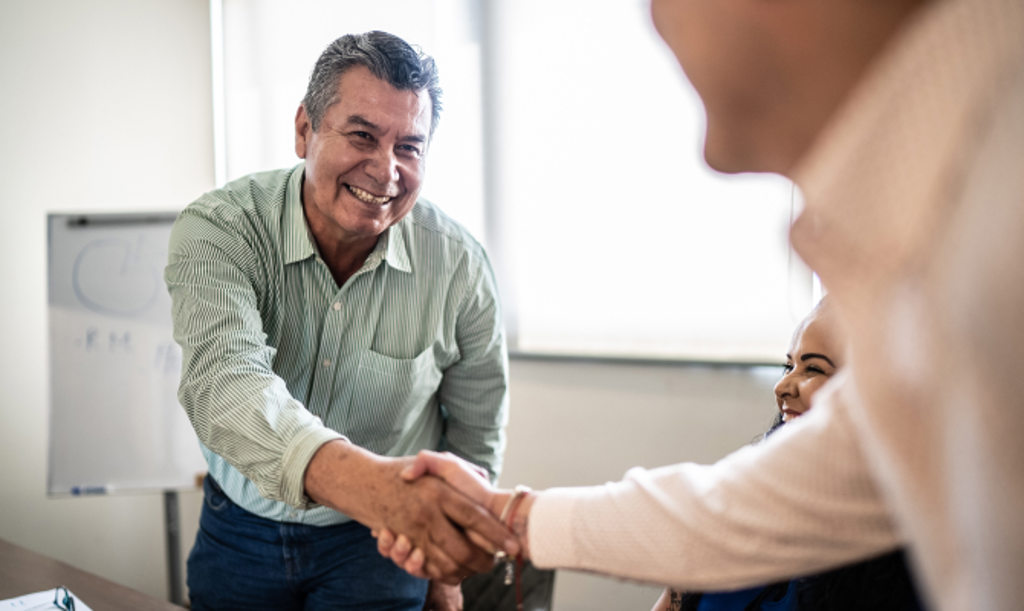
(570, 145)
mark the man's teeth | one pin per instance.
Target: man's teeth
(367, 197)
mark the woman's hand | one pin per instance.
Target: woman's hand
(464, 477)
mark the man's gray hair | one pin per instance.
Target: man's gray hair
(388, 58)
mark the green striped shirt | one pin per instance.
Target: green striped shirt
(277, 359)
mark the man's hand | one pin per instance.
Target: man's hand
(433, 515)
(443, 597)
(464, 476)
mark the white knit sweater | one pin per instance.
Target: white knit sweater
(914, 221)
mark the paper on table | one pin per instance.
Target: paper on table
(39, 600)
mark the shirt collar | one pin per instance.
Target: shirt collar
(394, 243)
(298, 243)
(392, 247)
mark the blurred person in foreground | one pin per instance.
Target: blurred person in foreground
(902, 121)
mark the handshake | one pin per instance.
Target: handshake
(471, 527)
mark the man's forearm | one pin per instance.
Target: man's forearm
(370, 489)
(340, 475)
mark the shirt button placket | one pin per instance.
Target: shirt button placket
(323, 380)
(336, 306)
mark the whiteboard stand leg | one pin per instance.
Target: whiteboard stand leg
(173, 526)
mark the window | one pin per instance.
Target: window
(570, 145)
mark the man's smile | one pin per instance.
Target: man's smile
(366, 197)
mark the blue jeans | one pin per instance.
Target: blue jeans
(243, 561)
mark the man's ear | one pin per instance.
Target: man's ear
(303, 131)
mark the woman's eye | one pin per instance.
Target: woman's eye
(815, 369)
(788, 367)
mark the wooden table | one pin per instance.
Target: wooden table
(23, 572)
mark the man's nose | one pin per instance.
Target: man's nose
(382, 167)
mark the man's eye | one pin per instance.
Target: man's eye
(409, 149)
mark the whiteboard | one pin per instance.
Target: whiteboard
(115, 422)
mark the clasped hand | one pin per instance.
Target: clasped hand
(456, 534)
(428, 561)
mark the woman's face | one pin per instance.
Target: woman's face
(813, 358)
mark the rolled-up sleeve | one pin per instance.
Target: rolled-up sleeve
(239, 408)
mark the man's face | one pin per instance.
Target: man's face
(365, 164)
(726, 56)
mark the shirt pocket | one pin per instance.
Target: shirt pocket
(388, 395)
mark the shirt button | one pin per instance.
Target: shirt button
(327, 362)
(337, 305)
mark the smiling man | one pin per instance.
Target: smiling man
(332, 322)
(364, 164)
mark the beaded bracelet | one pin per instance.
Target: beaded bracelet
(508, 516)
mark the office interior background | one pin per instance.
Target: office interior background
(647, 298)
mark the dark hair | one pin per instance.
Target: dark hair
(883, 583)
(388, 58)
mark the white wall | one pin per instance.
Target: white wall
(106, 107)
